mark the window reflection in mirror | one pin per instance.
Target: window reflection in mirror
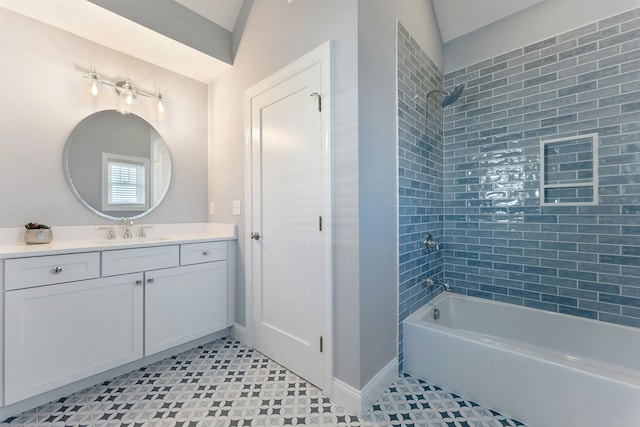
(125, 183)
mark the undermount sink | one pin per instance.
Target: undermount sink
(132, 241)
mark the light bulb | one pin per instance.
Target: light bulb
(126, 96)
(95, 90)
(94, 85)
(159, 102)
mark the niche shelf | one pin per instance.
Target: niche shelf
(569, 171)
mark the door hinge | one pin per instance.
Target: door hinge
(319, 98)
(321, 346)
(320, 223)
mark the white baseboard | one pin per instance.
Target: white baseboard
(376, 386)
(239, 333)
(357, 401)
(347, 396)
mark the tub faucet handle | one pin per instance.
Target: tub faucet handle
(429, 244)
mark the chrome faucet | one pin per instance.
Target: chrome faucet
(445, 285)
(127, 229)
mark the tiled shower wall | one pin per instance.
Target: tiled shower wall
(499, 242)
(420, 173)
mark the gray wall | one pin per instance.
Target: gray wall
(43, 98)
(377, 168)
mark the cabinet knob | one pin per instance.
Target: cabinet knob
(255, 235)
(139, 282)
(150, 280)
(57, 270)
(205, 252)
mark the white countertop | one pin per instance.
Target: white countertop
(91, 238)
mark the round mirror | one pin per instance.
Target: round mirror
(117, 165)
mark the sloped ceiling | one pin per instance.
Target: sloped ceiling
(459, 17)
(455, 18)
(109, 29)
(222, 12)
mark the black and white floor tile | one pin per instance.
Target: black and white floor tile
(225, 384)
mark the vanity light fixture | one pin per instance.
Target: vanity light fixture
(126, 91)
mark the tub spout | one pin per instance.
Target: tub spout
(445, 285)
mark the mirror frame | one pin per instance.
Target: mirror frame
(74, 190)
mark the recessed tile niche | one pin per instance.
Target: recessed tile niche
(569, 170)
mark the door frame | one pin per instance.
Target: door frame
(321, 55)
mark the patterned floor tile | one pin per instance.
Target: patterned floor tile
(412, 402)
(225, 384)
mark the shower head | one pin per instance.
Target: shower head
(453, 95)
(450, 97)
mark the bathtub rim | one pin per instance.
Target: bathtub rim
(609, 371)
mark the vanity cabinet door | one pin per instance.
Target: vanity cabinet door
(58, 334)
(184, 303)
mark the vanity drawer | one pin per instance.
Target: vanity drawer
(23, 273)
(195, 253)
(123, 261)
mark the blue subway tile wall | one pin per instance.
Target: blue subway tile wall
(420, 174)
(500, 243)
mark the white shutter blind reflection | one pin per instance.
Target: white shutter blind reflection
(126, 183)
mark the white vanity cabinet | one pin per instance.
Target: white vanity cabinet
(68, 317)
(61, 333)
(181, 303)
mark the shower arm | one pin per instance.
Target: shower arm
(434, 91)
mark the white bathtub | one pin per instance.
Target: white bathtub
(544, 369)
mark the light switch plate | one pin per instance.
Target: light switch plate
(236, 207)
(212, 210)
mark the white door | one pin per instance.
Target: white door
(290, 210)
